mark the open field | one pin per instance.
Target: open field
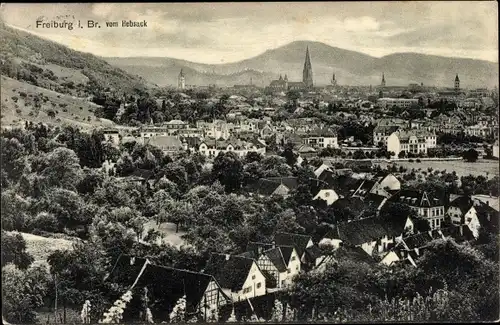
(41, 247)
(167, 229)
(489, 168)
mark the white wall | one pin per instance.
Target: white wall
(255, 277)
(293, 266)
(327, 195)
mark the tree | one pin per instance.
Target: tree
(470, 155)
(289, 155)
(23, 292)
(63, 169)
(228, 169)
(14, 251)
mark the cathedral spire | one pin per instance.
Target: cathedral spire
(307, 75)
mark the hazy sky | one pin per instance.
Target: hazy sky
(227, 32)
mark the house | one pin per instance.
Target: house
(327, 195)
(239, 277)
(166, 285)
(372, 234)
(485, 219)
(282, 263)
(212, 147)
(344, 185)
(298, 241)
(318, 171)
(281, 186)
(409, 249)
(111, 135)
(495, 149)
(428, 207)
(461, 210)
(167, 143)
(411, 141)
(321, 138)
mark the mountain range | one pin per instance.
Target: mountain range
(350, 68)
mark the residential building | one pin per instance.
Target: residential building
(373, 234)
(280, 186)
(321, 138)
(412, 141)
(327, 195)
(112, 135)
(461, 210)
(495, 150)
(212, 147)
(167, 285)
(239, 277)
(298, 241)
(282, 262)
(397, 102)
(430, 208)
(168, 144)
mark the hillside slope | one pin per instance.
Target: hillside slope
(47, 64)
(24, 102)
(350, 67)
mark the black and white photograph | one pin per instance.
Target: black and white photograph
(249, 162)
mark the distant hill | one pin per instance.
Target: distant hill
(350, 67)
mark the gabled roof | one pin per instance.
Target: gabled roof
(313, 252)
(416, 198)
(267, 186)
(353, 253)
(299, 242)
(464, 203)
(230, 271)
(165, 284)
(488, 217)
(276, 257)
(359, 231)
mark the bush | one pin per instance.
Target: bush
(418, 160)
(22, 94)
(18, 111)
(65, 110)
(410, 160)
(14, 98)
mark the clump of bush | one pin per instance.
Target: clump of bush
(15, 98)
(23, 94)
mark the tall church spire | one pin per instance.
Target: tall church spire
(383, 80)
(307, 75)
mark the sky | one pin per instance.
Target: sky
(229, 32)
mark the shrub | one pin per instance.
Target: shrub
(18, 111)
(22, 94)
(410, 160)
(15, 98)
(418, 160)
(65, 110)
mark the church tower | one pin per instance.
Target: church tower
(334, 81)
(457, 84)
(307, 74)
(383, 80)
(181, 81)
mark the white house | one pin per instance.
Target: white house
(328, 195)
(282, 262)
(461, 210)
(410, 142)
(239, 277)
(430, 208)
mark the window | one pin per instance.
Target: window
(247, 290)
(288, 270)
(293, 258)
(253, 277)
(297, 268)
(282, 282)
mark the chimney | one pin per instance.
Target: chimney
(274, 244)
(228, 257)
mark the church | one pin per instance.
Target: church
(282, 84)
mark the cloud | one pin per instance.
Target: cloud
(361, 24)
